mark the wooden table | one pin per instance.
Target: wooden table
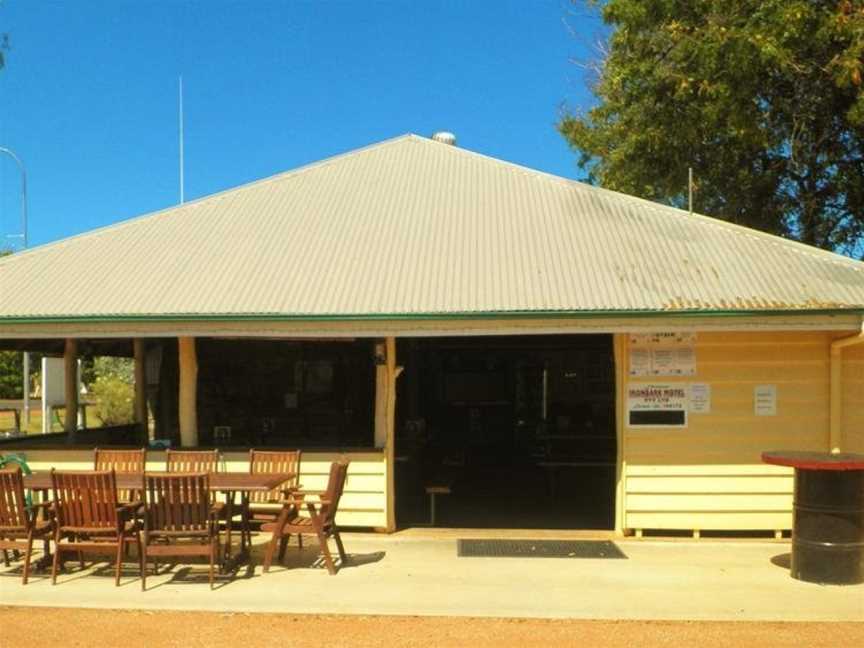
(228, 483)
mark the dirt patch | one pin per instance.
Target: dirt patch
(36, 627)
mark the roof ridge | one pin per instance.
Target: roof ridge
(735, 228)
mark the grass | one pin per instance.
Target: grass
(7, 420)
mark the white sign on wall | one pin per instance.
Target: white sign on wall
(662, 361)
(700, 398)
(765, 400)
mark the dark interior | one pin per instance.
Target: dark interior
(282, 393)
(521, 430)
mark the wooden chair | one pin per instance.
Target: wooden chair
(265, 506)
(20, 524)
(122, 461)
(90, 518)
(320, 521)
(192, 461)
(179, 508)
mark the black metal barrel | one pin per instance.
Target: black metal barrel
(828, 533)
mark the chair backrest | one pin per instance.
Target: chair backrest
(121, 461)
(13, 505)
(85, 499)
(192, 461)
(177, 501)
(274, 461)
(335, 486)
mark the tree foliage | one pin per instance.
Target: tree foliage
(11, 375)
(115, 400)
(122, 369)
(762, 98)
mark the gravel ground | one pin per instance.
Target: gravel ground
(36, 627)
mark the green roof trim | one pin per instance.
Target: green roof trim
(495, 315)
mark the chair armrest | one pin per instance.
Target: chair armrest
(40, 505)
(309, 493)
(125, 509)
(292, 500)
(310, 506)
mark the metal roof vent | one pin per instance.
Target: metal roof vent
(445, 138)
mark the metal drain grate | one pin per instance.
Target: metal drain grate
(538, 549)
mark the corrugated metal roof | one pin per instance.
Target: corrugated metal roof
(415, 227)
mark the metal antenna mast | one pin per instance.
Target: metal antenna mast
(182, 197)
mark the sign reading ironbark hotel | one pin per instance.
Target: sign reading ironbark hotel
(657, 404)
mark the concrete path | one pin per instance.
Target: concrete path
(417, 574)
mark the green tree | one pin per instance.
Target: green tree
(113, 389)
(11, 375)
(122, 369)
(115, 400)
(762, 98)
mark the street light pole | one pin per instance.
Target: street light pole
(23, 235)
(20, 164)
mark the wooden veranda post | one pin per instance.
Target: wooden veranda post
(140, 384)
(393, 372)
(70, 370)
(386, 373)
(188, 392)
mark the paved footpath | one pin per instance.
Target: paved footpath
(422, 576)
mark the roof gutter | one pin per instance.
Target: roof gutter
(462, 315)
(835, 439)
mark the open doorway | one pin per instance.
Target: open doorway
(508, 432)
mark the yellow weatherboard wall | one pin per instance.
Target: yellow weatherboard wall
(709, 475)
(853, 399)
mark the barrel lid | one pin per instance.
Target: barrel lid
(815, 460)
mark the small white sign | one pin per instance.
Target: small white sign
(700, 398)
(640, 362)
(663, 361)
(765, 400)
(685, 361)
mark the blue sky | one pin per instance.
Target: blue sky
(89, 95)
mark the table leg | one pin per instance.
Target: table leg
(245, 531)
(229, 516)
(432, 509)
